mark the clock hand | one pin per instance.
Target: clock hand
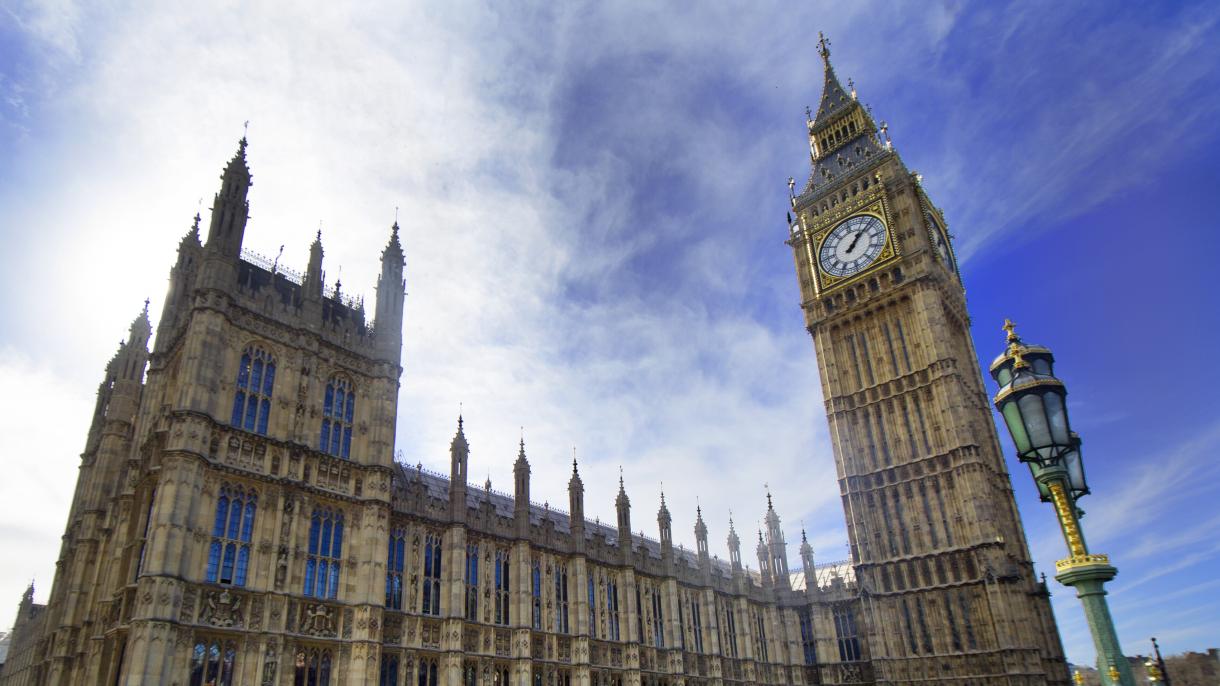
(855, 240)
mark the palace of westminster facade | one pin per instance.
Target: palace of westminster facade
(239, 517)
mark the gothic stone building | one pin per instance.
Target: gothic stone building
(239, 517)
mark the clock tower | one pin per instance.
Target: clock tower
(948, 591)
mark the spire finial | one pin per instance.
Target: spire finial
(1011, 330)
(808, 115)
(824, 47)
(459, 415)
(620, 478)
(573, 459)
(852, 86)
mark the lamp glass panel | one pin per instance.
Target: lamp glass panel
(1012, 417)
(1075, 470)
(1003, 375)
(1042, 366)
(1034, 417)
(1056, 414)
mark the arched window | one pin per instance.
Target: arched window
(394, 568)
(312, 668)
(427, 672)
(536, 593)
(338, 408)
(502, 586)
(472, 582)
(212, 663)
(389, 670)
(252, 399)
(432, 576)
(324, 562)
(561, 599)
(229, 554)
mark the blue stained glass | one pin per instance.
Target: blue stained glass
(401, 544)
(256, 378)
(251, 409)
(337, 551)
(324, 441)
(269, 379)
(239, 406)
(309, 572)
(351, 404)
(222, 511)
(324, 547)
(323, 570)
(339, 404)
(329, 401)
(334, 580)
(247, 524)
(314, 528)
(243, 560)
(262, 416)
(213, 561)
(347, 441)
(226, 567)
(243, 372)
(428, 559)
(234, 517)
(335, 436)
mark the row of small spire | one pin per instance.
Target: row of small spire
(770, 549)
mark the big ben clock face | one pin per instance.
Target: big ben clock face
(940, 242)
(852, 245)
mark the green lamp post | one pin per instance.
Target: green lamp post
(1032, 402)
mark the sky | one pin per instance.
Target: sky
(592, 201)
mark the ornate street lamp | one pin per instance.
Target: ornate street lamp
(1032, 402)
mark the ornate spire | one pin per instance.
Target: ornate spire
(459, 443)
(834, 97)
(140, 328)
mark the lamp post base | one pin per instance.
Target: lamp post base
(1088, 574)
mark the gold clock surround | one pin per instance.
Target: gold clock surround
(872, 202)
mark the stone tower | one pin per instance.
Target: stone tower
(937, 544)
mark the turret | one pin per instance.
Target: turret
(776, 547)
(701, 540)
(576, 504)
(312, 284)
(459, 455)
(391, 290)
(521, 482)
(664, 526)
(622, 506)
(734, 547)
(230, 208)
(811, 582)
(764, 561)
(181, 283)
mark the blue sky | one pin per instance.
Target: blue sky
(592, 201)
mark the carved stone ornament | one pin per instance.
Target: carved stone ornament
(222, 609)
(319, 620)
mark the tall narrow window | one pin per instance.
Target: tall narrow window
(431, 603)
(229, 554)
(561, 599)
(152, 498)
(338, 408)
(312, 668)
(427, 672)
(472, 582)
(697, 625)
(658, 629)
(592, 607)
(212, 663)
(252, 398)
(845, 633)
(612, 609)
(324, 562)
(394, 568)
(729, 629)
(502, 587)
(389, 670)
(808, 642)
(536, 593)
(761, 623)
